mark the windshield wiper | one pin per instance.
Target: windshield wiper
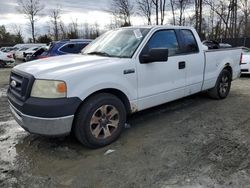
(99, 53)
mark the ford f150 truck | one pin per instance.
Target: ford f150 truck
(123, 71)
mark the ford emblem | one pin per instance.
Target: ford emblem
(13, 83)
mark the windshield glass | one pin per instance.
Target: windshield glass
(117, 43)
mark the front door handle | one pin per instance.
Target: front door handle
(129, 71)
(182, 65)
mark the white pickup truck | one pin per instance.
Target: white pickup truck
(123, 71)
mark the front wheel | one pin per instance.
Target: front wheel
(223, 85)
(100, 120)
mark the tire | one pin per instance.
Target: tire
(100, 120)
(222, 86)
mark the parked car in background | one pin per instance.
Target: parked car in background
(6, 49)
(211, 44)
(31, 51)
(245, 64)
(36, 54)
(225, 45)
(6, 59)
(70, 46)
(18, 54)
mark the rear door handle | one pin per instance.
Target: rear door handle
(182, 65)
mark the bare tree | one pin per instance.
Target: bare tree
(173, 10)
(181, 6)
(245, 8)
(63, 30)
(198, 15)
(227, 12)
(160, 6)
(156, 4)
(31, 9)
(162, 10)
(73, 32)
(55, 20)
(178, 8)
(145, 9)
(122, 11)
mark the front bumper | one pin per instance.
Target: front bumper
(43, 126)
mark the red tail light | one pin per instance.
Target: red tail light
(241, 55)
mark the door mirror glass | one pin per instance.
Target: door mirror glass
(154, 55)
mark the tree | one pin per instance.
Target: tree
(245, 8)
(8, 38)
(162, 10)
(145, 9)
(31, 9)
(227, 16)
(160, 6)
(44, 39)
(55, 20)
(173, 10)
(178, 8)
(122, 11)
(17, 35)
(73, 31)
(198, 15)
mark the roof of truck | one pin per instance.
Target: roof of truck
(160, 26)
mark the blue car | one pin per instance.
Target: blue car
(70, 46)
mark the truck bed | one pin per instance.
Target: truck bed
(216, 59)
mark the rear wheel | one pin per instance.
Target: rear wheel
(100, 120)
(223, 85)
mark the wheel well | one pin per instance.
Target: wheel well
(229, 68)
(118, 94)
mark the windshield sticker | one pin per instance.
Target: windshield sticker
(137, 33)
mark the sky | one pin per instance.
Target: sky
(90, 11)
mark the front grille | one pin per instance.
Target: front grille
(20, 85)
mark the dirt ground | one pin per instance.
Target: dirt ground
(193, 142)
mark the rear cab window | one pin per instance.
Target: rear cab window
(189, 43)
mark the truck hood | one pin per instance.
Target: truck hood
(54, 67)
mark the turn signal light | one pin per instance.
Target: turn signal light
(61, 88)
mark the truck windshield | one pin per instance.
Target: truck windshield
(117, 43)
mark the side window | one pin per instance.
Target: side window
(73, 48)
(190, 44)
(68, 48)
(81, 46)
(163, 39)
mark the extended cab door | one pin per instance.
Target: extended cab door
(163, 81)
(194, 60)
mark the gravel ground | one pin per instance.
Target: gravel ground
(193, 142)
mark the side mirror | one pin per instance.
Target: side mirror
(154, 54)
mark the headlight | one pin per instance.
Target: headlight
(49, 89)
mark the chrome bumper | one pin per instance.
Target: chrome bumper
(43, 126)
